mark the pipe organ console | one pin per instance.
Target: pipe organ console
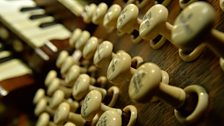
(117, 63)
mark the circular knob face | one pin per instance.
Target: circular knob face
(61, 115)
(100, 12)
(192, 24)
(103, 53)
(118, 65)
(90, 48)
(75, 35)
(43, 120)
(72, 75)
(41, 105)
(153, 21)
(110, 18)
(91, 104)
(57, 98)
(128, 19)
(61, 58)
(81, 87)
(145, 82)
(39, 95)
(53, 86)
(110, 118)
(50, 76)
(88, 13)
(82, 40)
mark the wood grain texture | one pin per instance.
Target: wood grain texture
(204, 71)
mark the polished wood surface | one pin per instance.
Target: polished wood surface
(15, 83)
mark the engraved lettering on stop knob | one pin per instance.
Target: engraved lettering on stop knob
(113, 67)
(85, 105)
(102, 121)
(137, 80)
(185, 20)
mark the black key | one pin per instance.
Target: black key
(37, 16)
(25, 9)
(48, 24)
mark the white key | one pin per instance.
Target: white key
(4, 54)
(13, 68)
(74, 6)
(12, 8)
(30, 24)
(15, 16)
(12, 21)
(37, 37)
(6, 5)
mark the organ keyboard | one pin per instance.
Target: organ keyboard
(12, 69)
(31, 23)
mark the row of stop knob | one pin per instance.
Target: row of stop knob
(78, 72)
(192, 31)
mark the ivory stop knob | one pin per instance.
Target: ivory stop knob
(139, 90)
(59, 97)
(82, 86)
(114, 118)
(81, 41)
(75, 35)
(127, 20)
(90, 48)
(92, 105)
(44, 120)
(110, 118)
(88, 12)
(118, 67)
(103, 54)
(61, 58)
(55, 85)
(72, 75)
(147, 82)
(40, 94)
(193, 29)
(192, 24)
(99, 14)
(110, 18)
(154, 22)
(42, 106)
(50, 76)
(63, 115)
(69, 61)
